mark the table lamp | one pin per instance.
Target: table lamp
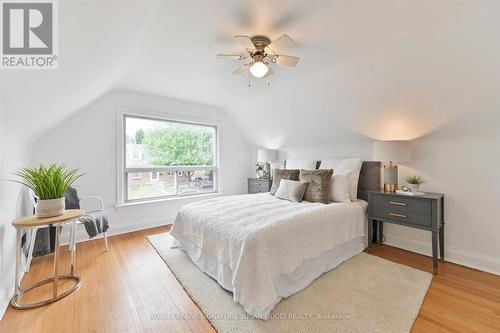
(266, 156)
(391, 151)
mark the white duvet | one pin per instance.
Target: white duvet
(260, 238)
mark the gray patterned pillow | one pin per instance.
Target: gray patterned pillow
(318, 189)
(292, 174)
(291, 190)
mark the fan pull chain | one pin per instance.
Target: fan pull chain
(268, 83)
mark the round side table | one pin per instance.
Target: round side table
(33, 222)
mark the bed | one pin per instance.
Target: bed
(263, 249)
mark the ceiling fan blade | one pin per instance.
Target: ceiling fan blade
(245, 41)
(242, 69)
(232, 56)
(286, 60)
(280, 43)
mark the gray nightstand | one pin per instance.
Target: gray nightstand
(259, 185)
(421, 212)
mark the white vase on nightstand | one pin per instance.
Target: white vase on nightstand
(414, 187)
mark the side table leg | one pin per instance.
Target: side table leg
(19, 239)
(370, 233)
(435, 251)
(441, 243)
(56, 259)
(73, 247)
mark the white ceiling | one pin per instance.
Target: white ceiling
(385, 69)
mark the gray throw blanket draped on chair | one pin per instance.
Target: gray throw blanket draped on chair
(95, 222)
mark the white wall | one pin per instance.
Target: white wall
(88, 140)
(14, 153)
(460, 159)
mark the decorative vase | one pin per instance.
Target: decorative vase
(50, 208)
(415, 187)
(259, 174)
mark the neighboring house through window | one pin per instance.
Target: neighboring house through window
(167, 158)
(154, 176)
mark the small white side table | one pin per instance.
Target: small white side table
(33, 222)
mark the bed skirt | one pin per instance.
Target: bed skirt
(284, 284)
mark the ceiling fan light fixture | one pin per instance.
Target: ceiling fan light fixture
(259, 69)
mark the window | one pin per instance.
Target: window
(166, 158)
(136, 155)
(154, 176)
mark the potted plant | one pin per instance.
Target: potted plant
(49, 185)
(259, 170)
(414, 182)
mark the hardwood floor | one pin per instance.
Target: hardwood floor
(130, 289)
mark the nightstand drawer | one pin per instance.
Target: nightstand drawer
(258, 186)
(407, 210)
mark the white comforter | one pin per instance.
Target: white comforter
(260, 237)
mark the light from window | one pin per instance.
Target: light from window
(167, 158)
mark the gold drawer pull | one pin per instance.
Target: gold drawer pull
(397, 203)
(398, 215)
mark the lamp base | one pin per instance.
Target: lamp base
(390, 188)
(267, 171)
(390, 178)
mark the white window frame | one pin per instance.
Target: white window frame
(152, 178)
(122, 114)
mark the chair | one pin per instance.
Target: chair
(72, 202)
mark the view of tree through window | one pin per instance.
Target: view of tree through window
(183, 154)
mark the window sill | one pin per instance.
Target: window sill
(153, 201)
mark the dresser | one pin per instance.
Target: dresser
(259, 185)
(424, 212)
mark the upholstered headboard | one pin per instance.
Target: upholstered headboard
(369, 177)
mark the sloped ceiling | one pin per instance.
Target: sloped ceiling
(385, 69)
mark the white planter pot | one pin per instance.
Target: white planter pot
(50, 208)
(414, 187)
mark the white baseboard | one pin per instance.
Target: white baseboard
(81, 234)
(457, 256)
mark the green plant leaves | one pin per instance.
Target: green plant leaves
(414, 180)
(48, 182)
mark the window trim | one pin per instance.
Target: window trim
(154, 179)
(121, 188)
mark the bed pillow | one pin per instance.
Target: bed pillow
(341, 183)
(301, 164)
(318, 189)
(342, 165)
(291, 190)
(280, 174)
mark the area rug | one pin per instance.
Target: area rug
(364, 294)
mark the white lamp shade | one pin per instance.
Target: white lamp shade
(395, 151)
(266, 155)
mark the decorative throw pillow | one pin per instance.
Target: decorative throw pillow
(300, 164)
(280, 174)
(318, 189)
(342, 165)
(291, 190)
(339, 191)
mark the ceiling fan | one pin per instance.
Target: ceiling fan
(263, 53)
